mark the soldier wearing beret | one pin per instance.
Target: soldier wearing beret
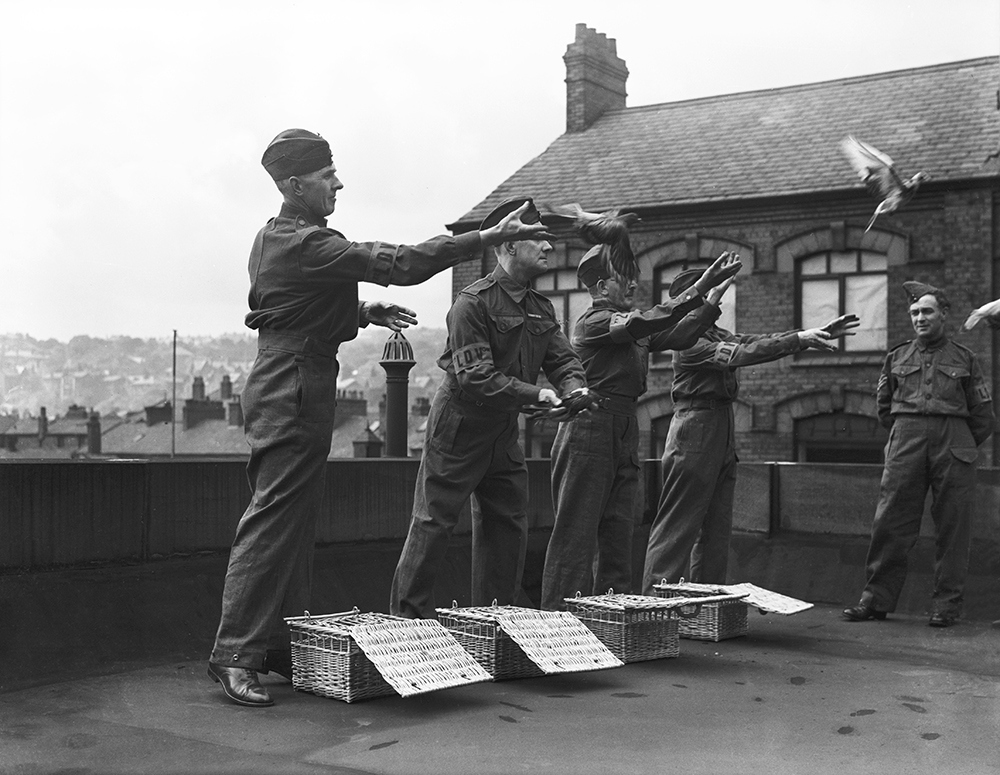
(501, 334)
(933, 398)
(595, 458)
(694, 517)
(304, 302)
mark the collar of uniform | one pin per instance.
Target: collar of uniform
(931, 346)
(293, 212)
(505, 281)
(606, 304)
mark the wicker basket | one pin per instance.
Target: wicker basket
(512, 642)
(717, 620)
(633, 627)
(356, 656)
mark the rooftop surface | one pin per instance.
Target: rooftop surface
(774, 142)
(804, 693)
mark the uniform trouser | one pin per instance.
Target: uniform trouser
(923, 452)
(694, 519)
(467, 450)
(288, 407)
(595, 489)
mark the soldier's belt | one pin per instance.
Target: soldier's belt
(291, 343)
(620, 406)
(702, 403)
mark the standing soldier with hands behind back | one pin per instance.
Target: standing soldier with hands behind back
(933, 398)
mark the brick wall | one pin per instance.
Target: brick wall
(946, 237)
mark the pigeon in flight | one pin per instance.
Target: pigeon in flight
(990, 311)
(607, 228)
(877, 171)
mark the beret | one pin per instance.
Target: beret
(684, 280)
(531, 215)
(594, 265)
(296, 152)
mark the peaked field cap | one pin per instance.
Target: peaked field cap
(684, 280)
(296, 152)
(531, 215)
(594, 266)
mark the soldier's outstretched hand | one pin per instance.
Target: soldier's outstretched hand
(725, 267)
(842, 326)
(389, 315)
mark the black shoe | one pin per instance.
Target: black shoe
(240, 685)
(942, 619)
(278, 661)
(863, 611)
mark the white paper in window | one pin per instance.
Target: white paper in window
(820, 302)
(866, 298)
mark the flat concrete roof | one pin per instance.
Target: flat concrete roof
(807, 693)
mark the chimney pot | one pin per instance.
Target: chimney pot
(595, 78)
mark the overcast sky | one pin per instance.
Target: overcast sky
(131, 132)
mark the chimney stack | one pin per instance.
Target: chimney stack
(43, 425)
(234, 412)
(226, 388)
(595, 78)
(198, 389)
(94, 434)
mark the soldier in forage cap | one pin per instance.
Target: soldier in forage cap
(933, 398)
(690, 533)
(595, 470)
(304, 303)
(501, 335)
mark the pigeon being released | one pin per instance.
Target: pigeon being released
(989, 311)
(608, 228)
(878, 172)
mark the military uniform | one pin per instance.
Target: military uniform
(595, 458)
(500, 336)
(935, 402)
(699, 460)
(304, 302)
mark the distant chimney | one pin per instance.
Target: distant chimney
(94, 434)
(226, 388)
(198, 389)
(234, 412)
(421, 407)
(43, 425)
(595, 78)
(351, 403)
(368, 444)
(158, 413)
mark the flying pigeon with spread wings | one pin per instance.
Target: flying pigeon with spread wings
(989, 311)
(878, 172)
(607, 228)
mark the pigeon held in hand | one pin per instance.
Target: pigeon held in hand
(878, 172)
(608, 228)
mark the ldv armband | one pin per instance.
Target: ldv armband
(471, 356)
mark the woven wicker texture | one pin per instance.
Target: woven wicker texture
(354, 656)
(721, 616)
(633, 627)
(512, 642)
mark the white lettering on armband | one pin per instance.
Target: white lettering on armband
(724, 352)
(470, 356)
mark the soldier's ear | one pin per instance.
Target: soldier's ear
(510, 247)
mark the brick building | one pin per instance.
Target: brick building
(761, 173)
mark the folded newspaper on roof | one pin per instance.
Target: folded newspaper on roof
(762, 599)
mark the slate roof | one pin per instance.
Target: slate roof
(942, 119)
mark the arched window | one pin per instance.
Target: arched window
(833, 283)
(567, 294)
